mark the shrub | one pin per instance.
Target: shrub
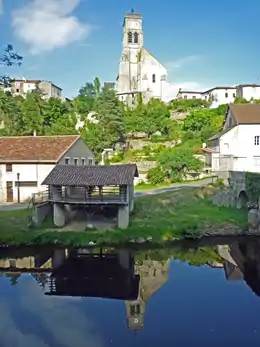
(119, 157)
(156, 175)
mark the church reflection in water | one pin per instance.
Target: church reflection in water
(120, 274)
(93, 273)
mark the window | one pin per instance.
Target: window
(153, 78)
(67, 161)
(29, 86)
(17, 90)
(194, 97)
(257, 140)
(234, 95)
(256, 161)
(83, 161)
(9, 168)
(76, 161)
(226, 146)
(130, 37)
(132, 310)
(226, 95)
(135, 37)
(185, 97)
(90, 162)
(26, 184)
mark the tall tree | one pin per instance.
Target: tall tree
(9, 58)
(110, 113)
(33, 113)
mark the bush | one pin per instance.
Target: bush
(156, 175)
(219, 183)
(119, 157)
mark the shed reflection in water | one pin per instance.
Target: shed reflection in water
(130, 276)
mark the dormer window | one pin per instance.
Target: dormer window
(135, 37)
(130, 37)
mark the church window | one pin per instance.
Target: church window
(153, 78)
(130, 37)
(135, 37)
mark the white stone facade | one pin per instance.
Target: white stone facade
(139, 70)
(238, 148)
(223, 95)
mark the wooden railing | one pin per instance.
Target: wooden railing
(92, 195)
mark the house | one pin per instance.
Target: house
(188, 94)
(23, 86)
(248, 91)
(237, 146)
(219, 95)
(216, 96)
(25, 161)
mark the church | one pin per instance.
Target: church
(139, 71)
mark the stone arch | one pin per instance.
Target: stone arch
(242, 199)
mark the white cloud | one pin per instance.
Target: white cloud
(182, 62)
(172, 88)
(47, 24)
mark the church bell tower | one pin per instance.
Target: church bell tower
(133, 31)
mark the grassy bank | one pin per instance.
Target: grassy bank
(180, 214)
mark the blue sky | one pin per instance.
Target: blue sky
(203, 43)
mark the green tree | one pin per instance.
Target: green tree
(9, 58)
(240, 100)
(186, 105)
(201, 124)
(55, 110)
(85, 102)
(33, 113)
(110, 113)
(178, 162)
(148, 118)
(9, 114)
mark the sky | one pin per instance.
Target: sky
(202, 43)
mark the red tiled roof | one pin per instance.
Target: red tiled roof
(35, 148)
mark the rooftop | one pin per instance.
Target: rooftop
(245, 113)
(35, 148)
(96, 175)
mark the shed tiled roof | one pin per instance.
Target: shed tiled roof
(35, 148)
(246, 113)
(98, 175)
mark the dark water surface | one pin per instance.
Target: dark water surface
(188, 295)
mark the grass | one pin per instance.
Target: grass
(148, 186)
(180, 214)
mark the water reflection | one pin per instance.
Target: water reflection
(132, 278)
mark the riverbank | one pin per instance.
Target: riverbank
(185, 213)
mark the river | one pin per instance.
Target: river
(192, 294)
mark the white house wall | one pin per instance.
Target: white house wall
(239, 144)
(249, 92)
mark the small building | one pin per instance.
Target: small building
(188, 94)
(25, 161)
(23, 86)
(90, 188)
(237, 146)
(248, 91)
